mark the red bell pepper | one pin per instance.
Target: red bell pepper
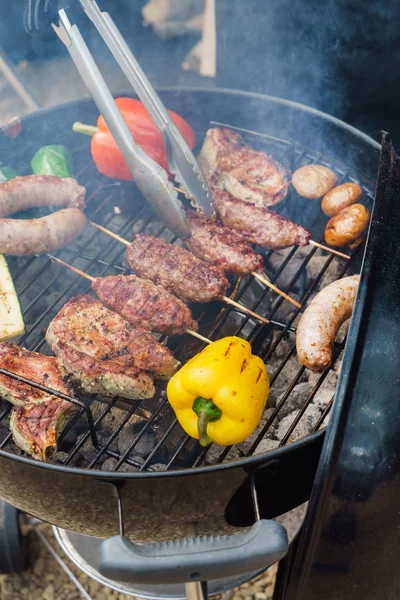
(105, 151)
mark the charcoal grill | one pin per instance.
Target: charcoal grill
(171, 486)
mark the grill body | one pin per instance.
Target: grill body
(216, 498)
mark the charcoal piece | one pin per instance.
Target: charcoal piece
(303, 428)
(158, 467)
(145, 445)
(296, 399)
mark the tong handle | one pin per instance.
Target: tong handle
(130, 66)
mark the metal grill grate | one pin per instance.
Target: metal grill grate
(96, 431)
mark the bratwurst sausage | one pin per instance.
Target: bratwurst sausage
(322, 320)
(20, 237)
(22, 193)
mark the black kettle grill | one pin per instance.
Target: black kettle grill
(174, 513)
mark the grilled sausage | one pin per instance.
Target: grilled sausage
(341, 197)
(347, 226)
(22, 193)
(313, 181)
(322, 320)
(20, 237)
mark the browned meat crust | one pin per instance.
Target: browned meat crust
(176, 269)
(37, 425)
(247, 174)
(22, 193)
(221, 246)
(39, 236)
(144, 304)
(46, 370)
(38, 417)
(321, 321)
(256, 224)
(86, 326)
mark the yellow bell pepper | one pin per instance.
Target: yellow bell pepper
(220, 394)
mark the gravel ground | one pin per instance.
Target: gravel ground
(46, 580)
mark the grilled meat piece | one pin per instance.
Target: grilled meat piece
(38, 417)
(144, 304)
(101, 349)
(22, 193)
(247, 174)
(19, 237)
(176, 269)
(36, 426)
(257, 224)
(46, 370)
(221, 246)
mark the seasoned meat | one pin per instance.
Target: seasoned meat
(221, 246)
(176, 269)
(145, 304)
(38, 417)
(46, 370)
(19, 237)
(85, 327)
(321, 321)
(36, 426)
(257, 224)
(247, 174)
(22, 193)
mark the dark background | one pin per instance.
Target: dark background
(341, 56)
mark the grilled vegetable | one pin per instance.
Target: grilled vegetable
(7, 173)
(346, 227)
(341, 197)
(105, 151)
(11, 321)
(220, 394)
(52, 160)
(313, 181)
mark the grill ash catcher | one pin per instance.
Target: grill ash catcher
(218, 519)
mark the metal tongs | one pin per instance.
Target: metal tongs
(151, 179)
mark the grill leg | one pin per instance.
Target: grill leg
(196, 590)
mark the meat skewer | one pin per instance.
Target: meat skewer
(142, 303)
(225, 247)
(260, 225)
(147, 255)
(104, 353)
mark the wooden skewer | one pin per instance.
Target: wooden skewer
(275, 289)
(328, 249)
(92, 279)
(317, 244)
(225, 298)
(244, 309)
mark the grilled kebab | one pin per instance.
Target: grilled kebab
(176, 269)
(37, 417)
(247, 174)
(221, 246)
(104, 353)
(257, 224)
(145, 304)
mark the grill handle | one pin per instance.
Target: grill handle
(195, 558)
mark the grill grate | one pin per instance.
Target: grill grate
(44, 287)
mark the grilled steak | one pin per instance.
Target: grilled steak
(36, 426)
(176, 269)
(102, 350)
(145, 304)
(256, 224)
(38, 417)
(247, 174)
(46, 370)
(221, 246)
